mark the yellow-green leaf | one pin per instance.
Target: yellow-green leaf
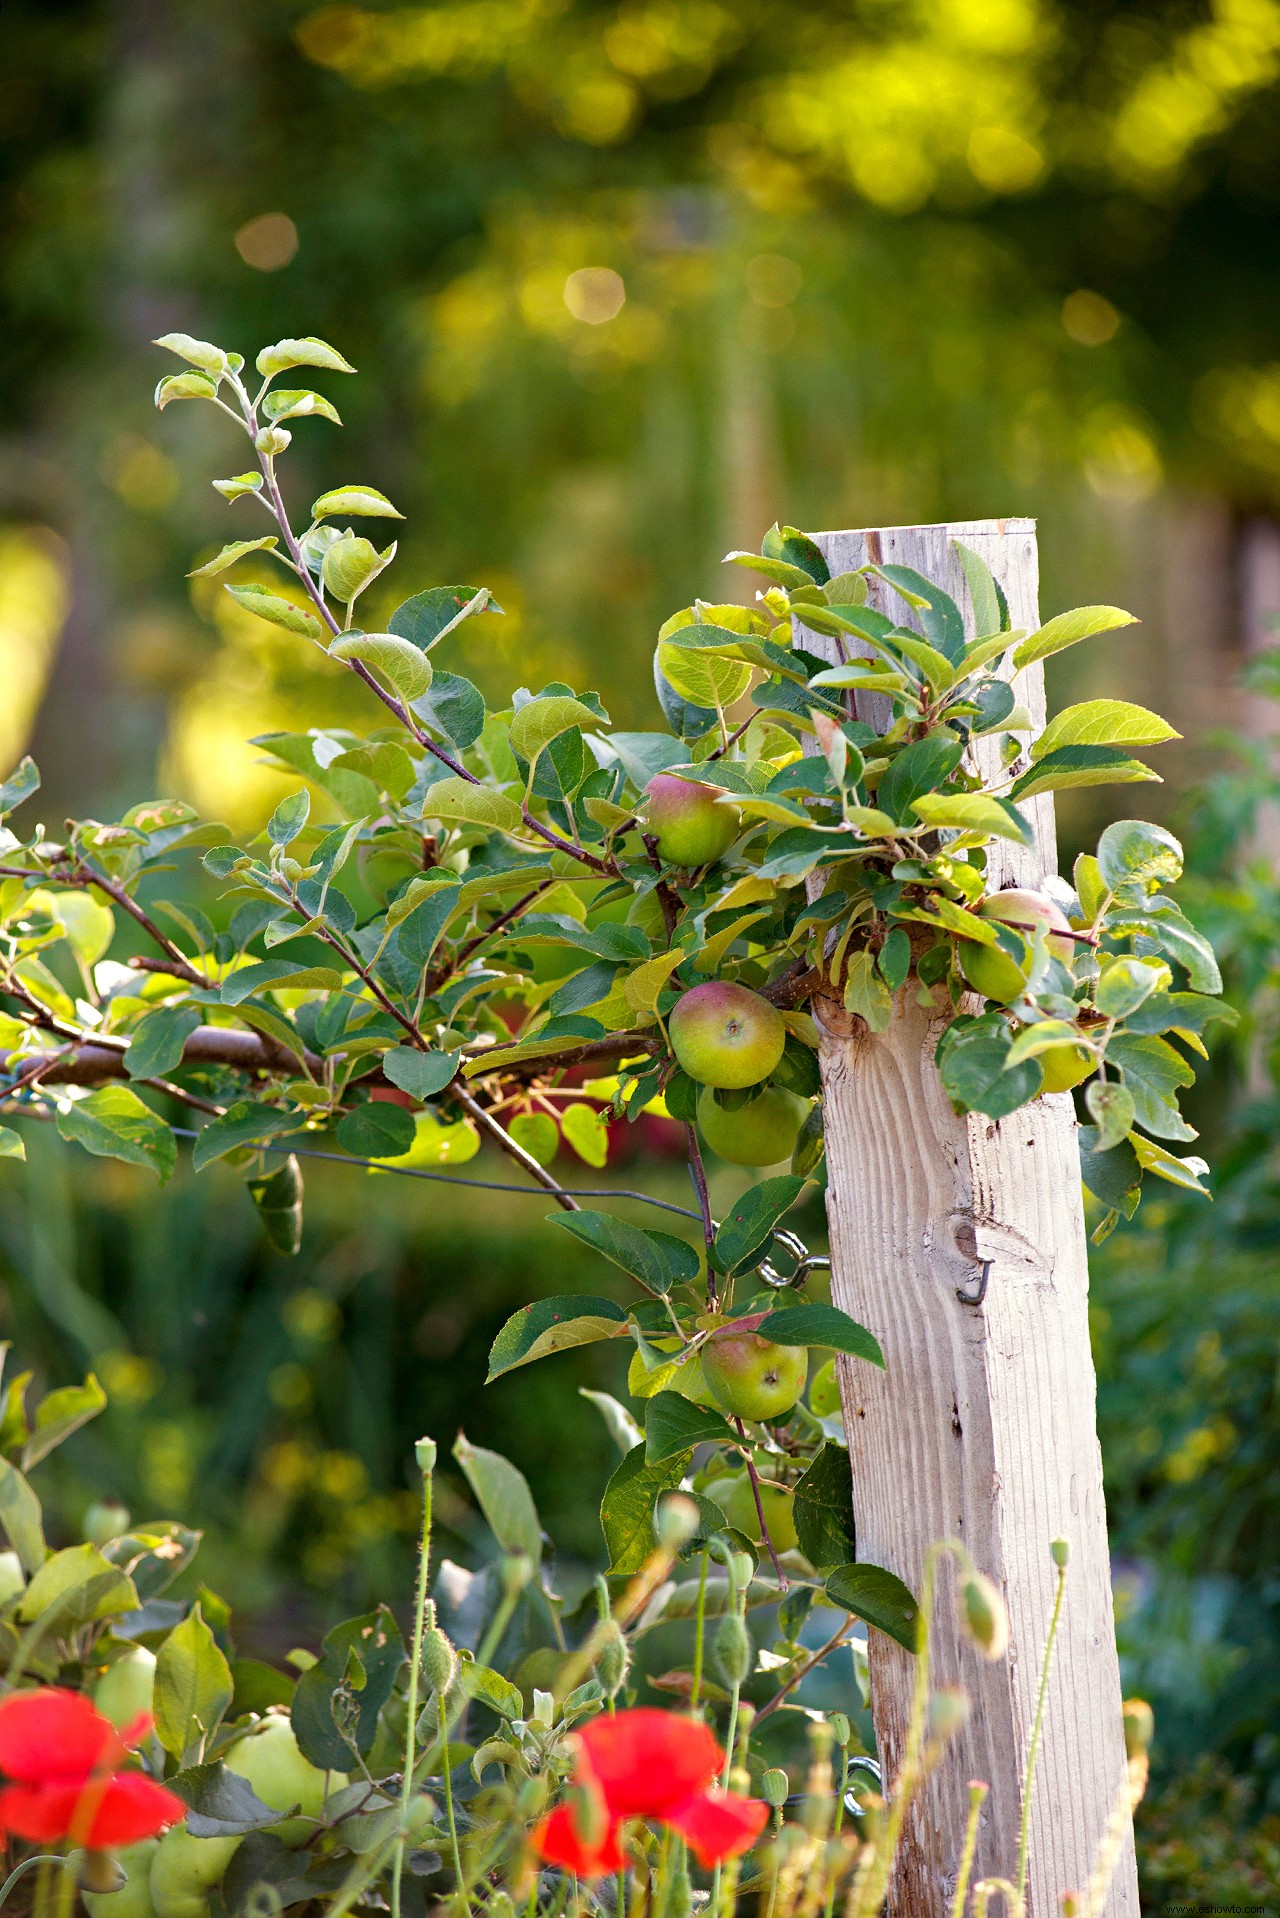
(308, 351)
(1056, 634)
(230, 554)
(641, 987)
(280, 612)
(706, 679)
(542, 720)
(458, 802)
(1103, 722)
(408, 670)
(364, 501)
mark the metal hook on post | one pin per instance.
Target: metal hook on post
(806, 1262)
(979, 1292)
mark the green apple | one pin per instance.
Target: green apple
(690, 823)
(990, 971)
(133, 1900)
(762, 1132)
(184, 1871)
(824, 1391)
(733, 1494)
(1064, 1067)
(126, 1688)
(105, 1519)
(270, 1760)
(752, 1377)
(726, 1035)
(1017, 906)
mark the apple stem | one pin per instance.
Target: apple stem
(697, 1172)
(754, 1477)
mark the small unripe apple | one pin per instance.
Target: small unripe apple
(691, 825)
(1026, 911)
(736, 1500)
(990, 971)
(752, 1377)
(133, 1900)
(184, 1871)
(126, 1688)
(824, 1391)
(270, 1760)
(1064, 1067)
(726, 1035)
(105, 1519)
(759, 1133)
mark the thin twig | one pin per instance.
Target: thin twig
(517, 1152)
(809, 1665)
(754, 1478)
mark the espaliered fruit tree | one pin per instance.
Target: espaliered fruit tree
(829, 868)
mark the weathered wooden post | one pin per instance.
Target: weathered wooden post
(983, 1426)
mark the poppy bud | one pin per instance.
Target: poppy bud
(425, 1452)
(676, 1522)
(985, 1615)
(439, 1660)
(613, 1659)
(841, 1729)
(1139, 1726)
(516, 1573)
(679, 1898)
(1060, 1551)
(732, 1649)
(948, 1710)
(774, 1787)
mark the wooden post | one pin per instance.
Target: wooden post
(983, 1426)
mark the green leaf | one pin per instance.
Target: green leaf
(553, 1325)
(420, 1074)
(620, 1425)
(289, 817)
(427, 617)
(193, 1687)
(893, 959)
(1111, 1173)
(376, 1130)
(113, 1123)
(201, 353)
(363, 502)
(230, 554)
(298, 403)
(588, 1134)
(379, 1649)
(877, 1597)
(1067, 629)
(822, 1508)
(919, 768)
(280, 612)
(789, 544)
(492, 1689)
(244, 1123)
(234, 489)
(157, 1042)
(972, 1057)
(1124, 984)
(1153, 1072)
(221, 1803)
(1179, 1012)
(1176, 937)
(542, 720)
(1186, 1173)
(814, 1323)
(780, 571)
(60, 1413)
(12, 1144)
(1103, 722)
(458, 802)
(673, 1425)
(744, 1236)
(503, 1495)
(657, 1259)
(1112, 1110)
(984, 595)
(1071, 766)
(185, 386)
(21, 783)
(399, 662)
(865, 992)
(265, 973)
(277, 1198)
(627, 1508)
(973, 812)
(1133, 852)
(537, 1134)
(308, 351)
(20, 1515)
(79, 1586)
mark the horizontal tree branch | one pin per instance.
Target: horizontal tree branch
(90, 1063)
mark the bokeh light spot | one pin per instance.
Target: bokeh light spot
(594, 294)
(267, 243)
(1088, 318)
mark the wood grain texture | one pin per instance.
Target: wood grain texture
(983, 1426)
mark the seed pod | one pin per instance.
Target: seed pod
(278, 1198)
(439, 1660)
(841, 1729)
(731, 1648)
(774, 1787)
(613, 1659)
(425, 1453)
(1060, 1550)
(985, 1615)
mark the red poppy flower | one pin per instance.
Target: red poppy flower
(654, 1765)
(64, 1760)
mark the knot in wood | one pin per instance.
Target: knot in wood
(832, 1015)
